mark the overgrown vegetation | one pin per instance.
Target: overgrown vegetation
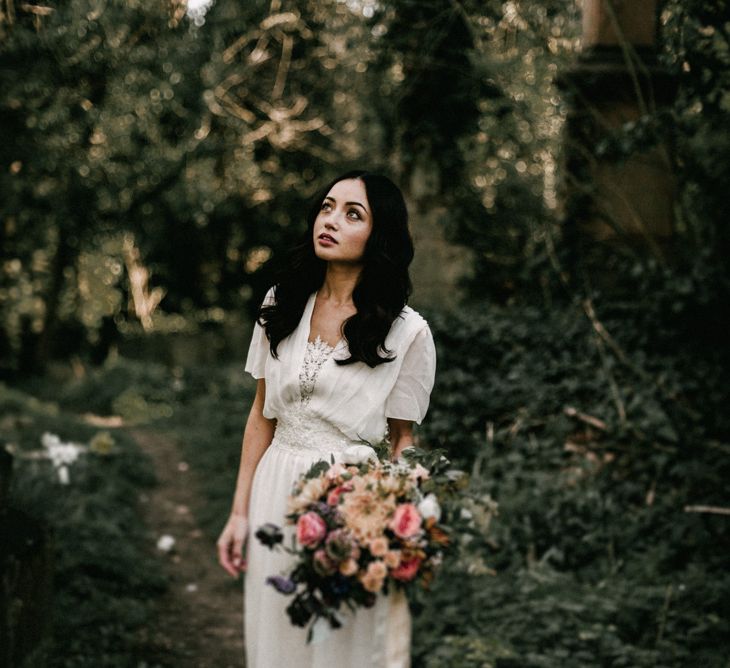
(595, 416)
(599, 427)
(104, 577)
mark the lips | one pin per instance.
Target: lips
(328, 237)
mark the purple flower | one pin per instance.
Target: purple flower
(281, 584)
(323, 509)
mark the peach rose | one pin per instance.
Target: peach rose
(406, 521)
(377, 569)
(379, 546)
(308, 494)
(311, 529)
(407, 570)
(348, 567)
(390, 485)
(392, 558)
(371, 582)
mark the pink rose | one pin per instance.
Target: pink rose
(333, 498)
(406, 521)
(407, 569)
(311, 529)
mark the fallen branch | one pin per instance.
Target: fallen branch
(713, 510)
(570, 411)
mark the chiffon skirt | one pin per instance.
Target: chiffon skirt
(377, 637)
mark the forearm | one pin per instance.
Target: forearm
(257, 436)
(398, 447)
(401, 436)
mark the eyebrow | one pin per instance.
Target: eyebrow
(348, 203)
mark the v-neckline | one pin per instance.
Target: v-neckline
(308, 314)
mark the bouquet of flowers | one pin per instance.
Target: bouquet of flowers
(362, 526)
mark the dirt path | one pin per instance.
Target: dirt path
(200, 618)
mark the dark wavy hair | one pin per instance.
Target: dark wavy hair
(383, 286)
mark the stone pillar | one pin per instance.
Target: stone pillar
(616, 80)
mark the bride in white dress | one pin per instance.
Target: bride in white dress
(342, 298)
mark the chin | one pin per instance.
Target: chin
(324, 255)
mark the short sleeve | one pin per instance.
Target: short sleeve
(410, 396)
(259, 348)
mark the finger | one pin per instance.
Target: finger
(224, 559)
(237, 552)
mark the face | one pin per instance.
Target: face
(345, 216)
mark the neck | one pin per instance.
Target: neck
(339, 283)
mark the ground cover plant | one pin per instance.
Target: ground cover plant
(104, 578)
(599, 426)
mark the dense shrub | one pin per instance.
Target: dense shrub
(593, 446)
(105, 579)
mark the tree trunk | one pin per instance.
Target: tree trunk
(65, 256)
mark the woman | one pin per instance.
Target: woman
(339, 358)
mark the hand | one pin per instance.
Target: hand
(230, 544)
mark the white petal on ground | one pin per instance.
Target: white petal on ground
(165, 542)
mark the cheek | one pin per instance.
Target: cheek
(363, 236)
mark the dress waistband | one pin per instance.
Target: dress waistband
(301, 432)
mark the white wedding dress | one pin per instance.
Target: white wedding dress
(377, 637)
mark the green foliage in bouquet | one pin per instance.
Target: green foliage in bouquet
(364, 526)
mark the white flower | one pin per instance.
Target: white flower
(466, 514)
(49, 440)
(63, 477)
(419, 472)
(455, 474)
(165, 542)
(358, 454)
(62, 455)
(429, 507)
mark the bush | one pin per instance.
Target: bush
(593, 446)
(105, 579)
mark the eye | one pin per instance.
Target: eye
(355, 213)
(326, 206)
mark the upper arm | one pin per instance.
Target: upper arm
(410, 396)
(257, 408)
(259, 348)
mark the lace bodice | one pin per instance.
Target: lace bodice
(298, 429)
(315, 356)
(355, 398)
